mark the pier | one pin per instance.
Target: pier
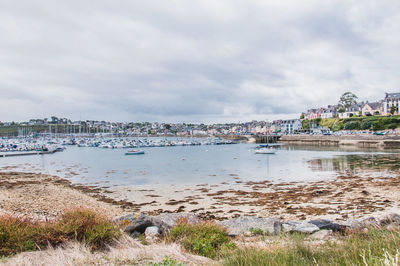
(267, 138)
(24, 153)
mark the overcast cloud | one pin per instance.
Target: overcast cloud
(193, 61)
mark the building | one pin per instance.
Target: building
(354, 110)
(374, 108)
(391, 99)
(290, 126)
(314, 113)
(329, 112)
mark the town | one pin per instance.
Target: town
(309, 121)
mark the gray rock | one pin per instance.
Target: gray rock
(133, 222)
(152, 232)
(166, 221)
(321, 235)
(391, 220)
(363, 223)
(135, 234)
(300, 227)
(243, 224)
(329, 225)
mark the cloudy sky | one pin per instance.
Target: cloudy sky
(193, 61)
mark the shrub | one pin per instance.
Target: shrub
(21, 234)
(86, 226)
(206, 239)
(365, 125)
(352, 125)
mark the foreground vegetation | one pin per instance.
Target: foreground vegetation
(205, 239)
(377, 247)
(19, 234)
(374, 247)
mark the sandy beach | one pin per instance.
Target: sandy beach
(346, 197)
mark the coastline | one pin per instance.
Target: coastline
(346, 197)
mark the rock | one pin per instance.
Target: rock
(321, 235)
(363, 223)
(243, 224)
(328, 225)
(392, 221)
(135, 234)
(152, 232)
(166, 221)
(135, 222)
(300, 227)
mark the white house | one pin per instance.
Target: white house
(291, 126)
(329, 112)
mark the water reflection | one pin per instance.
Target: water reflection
(357, 163)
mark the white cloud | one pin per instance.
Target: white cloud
(192, 60)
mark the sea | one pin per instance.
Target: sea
(206, 164)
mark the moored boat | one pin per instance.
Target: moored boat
(134, 152)
(265, 151)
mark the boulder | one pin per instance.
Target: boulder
(392, 220)
(328, 225)
(152, 232)
(166, 221)
(135, 222)
(243, 224)
(363, 223)
(321, 235)
(139, 223)
(299, 227)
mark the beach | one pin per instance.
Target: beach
(43, 196)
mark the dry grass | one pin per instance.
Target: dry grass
(125, 251)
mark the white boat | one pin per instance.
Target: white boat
(134, 152)
(265, 151)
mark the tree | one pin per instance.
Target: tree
(346, 100)
(302, 116)
(393, 109)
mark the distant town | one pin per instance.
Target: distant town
(347, 108)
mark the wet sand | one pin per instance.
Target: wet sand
(346, 197)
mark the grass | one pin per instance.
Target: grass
(374, 123)
(84, 225)
(205, 239)
(377, 247)
(167, 262)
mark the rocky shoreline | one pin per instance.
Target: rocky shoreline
(320, 229)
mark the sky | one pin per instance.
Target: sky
(193, 61)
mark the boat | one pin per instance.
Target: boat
(134, 152)
(265, 151)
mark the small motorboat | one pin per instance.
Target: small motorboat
(265, 151)
(134, 152)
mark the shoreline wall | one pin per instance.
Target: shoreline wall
(385, 142)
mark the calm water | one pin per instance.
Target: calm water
(205, 164)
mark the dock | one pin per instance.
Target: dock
(24, 153)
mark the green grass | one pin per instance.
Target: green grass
(205, 239)
(18, 234)
(167, 262)
(356, 249)
(374, 123)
